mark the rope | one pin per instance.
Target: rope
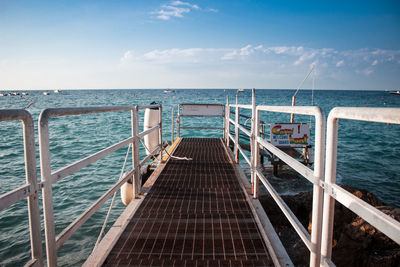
(112, 202)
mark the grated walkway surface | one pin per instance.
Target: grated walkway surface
(196, 214)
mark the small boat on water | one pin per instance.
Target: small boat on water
(169, 91)
(240, 90)
(395, 92)
(57, 91)
(46, 93)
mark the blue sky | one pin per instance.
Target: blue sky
(199, 44)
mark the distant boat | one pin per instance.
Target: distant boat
(169, 91)
(57, 91)
(240, 90)
(3, 94)
(25, 93)
(46, 93)
(395, 92)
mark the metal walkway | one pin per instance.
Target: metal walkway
(195, 214)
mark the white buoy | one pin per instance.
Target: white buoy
(151, 119)
(127, 193)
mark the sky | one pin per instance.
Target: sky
(352, 45)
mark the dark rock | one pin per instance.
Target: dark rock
(356, 242)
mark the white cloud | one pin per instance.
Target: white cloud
(340, 63)
(177, 9)
(180, 3)
(171, 11)
(127, 56)
(282, 65)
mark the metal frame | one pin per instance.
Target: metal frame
(180, 116)
(53, 242)
(312, 242)
(30, 189)
(378, 219)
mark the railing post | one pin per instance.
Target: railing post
(160, 137)
(33, 200)
(135, 152)
(45, 170)
(228, 124)
(330, 177)
(256, 153)
(252, 136)
(318, 193)
(236, 147)
(178, 121)
(172, 126)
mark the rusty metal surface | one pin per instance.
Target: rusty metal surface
(195, 214)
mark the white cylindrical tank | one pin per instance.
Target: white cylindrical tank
(151, 119)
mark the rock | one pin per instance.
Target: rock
(356, 242)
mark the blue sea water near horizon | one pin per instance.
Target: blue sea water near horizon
(368, 153)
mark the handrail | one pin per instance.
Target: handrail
(313, 241)
(53, 242)
(200, 110)
(315, 177)
(30, 189)
(378, 219)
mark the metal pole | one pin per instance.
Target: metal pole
(45, 170)
(228, 123)
(160, 137)
(172, 126)
(256, 152)
(293, 104)
(135, 152)
(318, 193)
(330, 177)
(252, 136)
(236, 148)
(33, 200)
(178, 120)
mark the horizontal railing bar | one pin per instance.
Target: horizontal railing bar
(144, 133)
(247, 132)
(384, 115)
(78, 222)
(149, 156)
(80, 164)
(244, 155)
(212, 128)
(241, 106)
(149, 106)
(375, 217)
(296, 165)
(301, 231)
(210, 116)
(302, 110)
(16, 195)
(14, 114)
(58, 112)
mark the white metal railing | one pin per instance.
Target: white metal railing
(30, 190)
(53, 242)
(313, 241)
(332, 192)
(199, 110)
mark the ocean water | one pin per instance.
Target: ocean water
(368, 153)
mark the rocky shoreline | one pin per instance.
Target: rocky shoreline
(356, 242)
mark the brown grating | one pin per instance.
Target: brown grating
(196, 214)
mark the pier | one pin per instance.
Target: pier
(195, 214)
(197, 208)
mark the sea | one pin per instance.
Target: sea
(368, 153)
